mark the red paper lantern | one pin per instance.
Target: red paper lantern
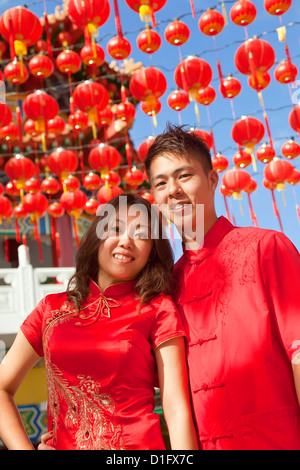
(5, 115)
(105, 117)
(91, 206)
(134, 177)
(50, 185)
(22, 27)
(32, 186)
(178, 100)
(35, 204)
(231, 87)
(254, 54)
(148, 83)
(11, 189)
(177, 33)
(261, 81)
(90, 96)
(78, 120)
(144, 147)
(71, 183)
(206, 95)
(204, 136)
(242, 159)
(31, 128)
(104, 157)
(148, 41)
(62, 162)
(20, 169)
(211, 23)
(40, 106)
(265, 153)
(9, 132)
(92, 55)
(220, 163)
(1, 189)
(278, 171)
(119, 48)
(41, 66)
(277, 7)
(125, 111)
(192, 74)
(290, 149)
(294, 178)
(151, 107)
(111, 178)
(146, 9)
(73, 202)
(243, 13)
(16, 73)
(294, 119)
(252, 187)
(56, 125)
(19, 211)
(92, 181)
(56, 209)
(6, 209)
(68, 62)
(106, 193)
(286, 72)
(236, 180)
(90, 13)
(248, 131)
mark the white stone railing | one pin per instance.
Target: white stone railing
(22, 288)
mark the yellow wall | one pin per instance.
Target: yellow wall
(34, 388)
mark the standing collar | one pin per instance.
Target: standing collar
(116, 289)
(212, 239)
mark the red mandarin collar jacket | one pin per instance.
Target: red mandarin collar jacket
(238, 297)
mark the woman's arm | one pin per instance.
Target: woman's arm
(174, 388)
(13, 369)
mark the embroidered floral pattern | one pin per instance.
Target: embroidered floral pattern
(89, 411)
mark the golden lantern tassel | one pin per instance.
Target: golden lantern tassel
(171, 233)
(197, 112)
(281, 32)
(154, 118)
(224, 13)
(75, 230)
(298, 212)
(241, 209)
(94, 131)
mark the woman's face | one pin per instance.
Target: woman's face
(125, 250)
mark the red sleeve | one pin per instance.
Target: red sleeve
(280, 268)
(167, 323)
(32, 327)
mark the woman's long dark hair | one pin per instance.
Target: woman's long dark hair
(154, 279)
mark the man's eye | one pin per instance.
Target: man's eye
(185, 175)
(159, 184)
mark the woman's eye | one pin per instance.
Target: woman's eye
(142, 235)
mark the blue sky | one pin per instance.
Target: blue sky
(276, 97)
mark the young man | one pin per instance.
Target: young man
(238, 295)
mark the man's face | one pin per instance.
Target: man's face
(180, 185)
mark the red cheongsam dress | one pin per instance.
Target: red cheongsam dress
(238, 297)
(101, 370)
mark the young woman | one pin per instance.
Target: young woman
(105, 341)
